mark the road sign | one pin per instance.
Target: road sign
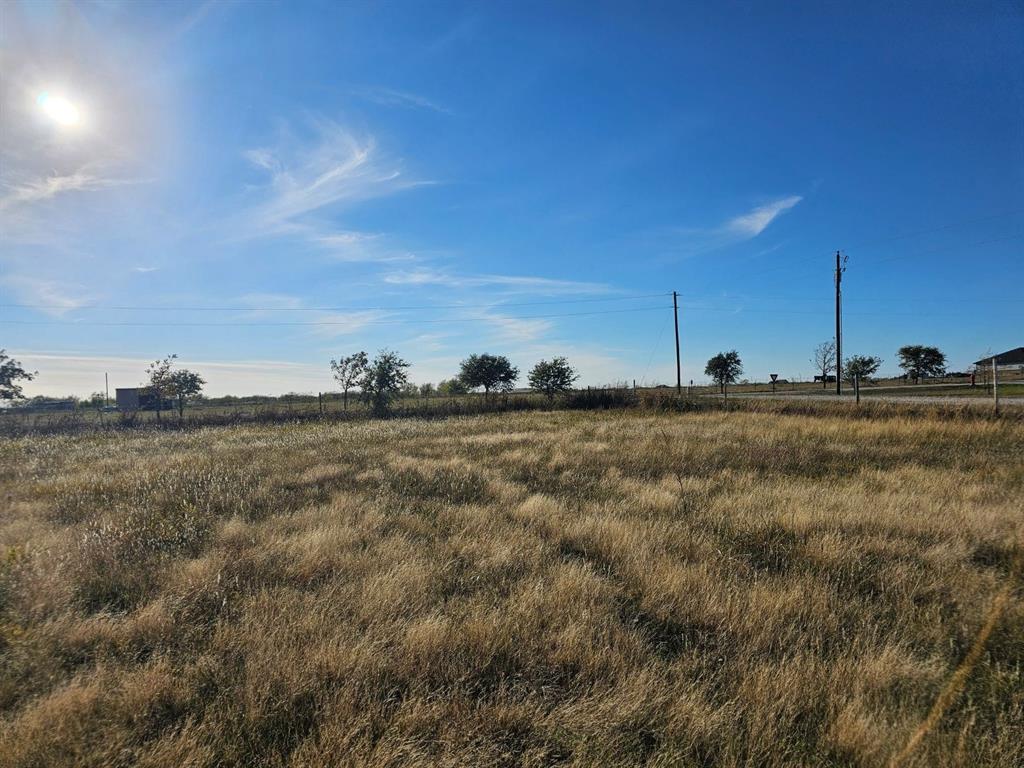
(774, 376)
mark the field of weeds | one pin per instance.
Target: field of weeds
(623, 588)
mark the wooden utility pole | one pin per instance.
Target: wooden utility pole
(675, 313)
(840, 268)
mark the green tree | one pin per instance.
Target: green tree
(861, 366)
(426, 389)
(724, 368)
(919, 361)
(11, 372)
(382, 381)
(184, 384)
(825, 360)
(348, 371)
(489, 372)
(552, 377)
(95, 400)
(451, 387)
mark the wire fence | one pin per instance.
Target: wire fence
(332, 405)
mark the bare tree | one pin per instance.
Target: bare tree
(825, 360)
(159, 373)
(348, 371)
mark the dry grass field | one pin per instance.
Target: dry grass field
(627, 588)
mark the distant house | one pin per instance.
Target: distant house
(1012, 358)
(137, 399)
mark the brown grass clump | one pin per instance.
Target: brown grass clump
(712, 588)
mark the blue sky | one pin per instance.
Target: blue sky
(260, 187)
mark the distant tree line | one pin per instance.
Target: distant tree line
(384, 378)
(916, 361)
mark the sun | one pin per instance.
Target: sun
(58, 109)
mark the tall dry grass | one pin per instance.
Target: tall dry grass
(722, 588)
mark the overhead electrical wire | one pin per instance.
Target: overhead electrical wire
(776, 265)
(360, 323)
(396, 308)
(498, 305)
(417, 321)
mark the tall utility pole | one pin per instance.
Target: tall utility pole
(106, 389)
(840, 268)
(675, 313)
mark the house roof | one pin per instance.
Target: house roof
(1009, 357)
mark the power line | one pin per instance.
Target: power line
(943, 228)
(132, 324)
(654, 349)
(900, 257)
(818, 299)
(818, 257)
(416, 307)
(824, 312)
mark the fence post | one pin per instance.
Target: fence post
(320, 397)
(995, 383)
(856, 386)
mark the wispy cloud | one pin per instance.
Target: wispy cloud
(310, 180)
(194, 18)
(389, 97)
(685, 242)
(753, 223)
(332, 170)
(270, 302)
(333, 324)
(353, 246)
(324, 323)
(509, 283)
(518, 329)
(425, 342)
(54, 298)
(47, 187)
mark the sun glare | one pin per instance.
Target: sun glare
(58, 108)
